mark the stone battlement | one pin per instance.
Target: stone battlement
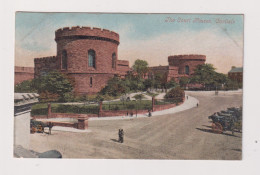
(187, 57)
(86, 31)
(45, 59)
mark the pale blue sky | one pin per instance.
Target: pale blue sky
(140, 35)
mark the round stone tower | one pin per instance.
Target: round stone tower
(186, 63)
(88, 55)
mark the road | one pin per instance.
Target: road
(184, 135)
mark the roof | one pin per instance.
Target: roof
(236, 69)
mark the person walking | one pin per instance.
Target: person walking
(121, 135)
(50, 125)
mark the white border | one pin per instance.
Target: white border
(251, 149)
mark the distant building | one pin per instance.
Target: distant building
(179, 66)
(23, 74)
(236, 74)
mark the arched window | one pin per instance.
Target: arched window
(91, 58)
(113, 60)
(187, 70)
(90, 82)
(64, 60)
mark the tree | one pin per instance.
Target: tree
(139, 97)
(171, 84)
(140, 67)
(25, 87)
(116, 86)
(148, 83)
(184, 81)
(53, 83)
(205, 74)
(160, 80)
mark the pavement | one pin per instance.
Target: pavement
(69, 129)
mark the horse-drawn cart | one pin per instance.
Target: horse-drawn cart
(38, 126)
(229, 120)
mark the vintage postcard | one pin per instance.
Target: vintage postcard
(128, 86)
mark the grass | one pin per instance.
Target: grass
(118, 105)
(152, 94)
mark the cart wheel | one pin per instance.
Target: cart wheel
(217, 128)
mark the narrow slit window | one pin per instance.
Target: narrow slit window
(64, 60)
(187, 70)
(90, 81)
(113, 60)
(92, 58)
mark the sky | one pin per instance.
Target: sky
(151, 37)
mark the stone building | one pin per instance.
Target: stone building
(179, 66)
(236, 74)
(23, 74)
(87, 55)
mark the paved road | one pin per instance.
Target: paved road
(184, 135)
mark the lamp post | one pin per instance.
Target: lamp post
(136, 107)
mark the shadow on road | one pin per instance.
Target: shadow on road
(115, 140)
(207, 126)
(210, 131)
(239, 150)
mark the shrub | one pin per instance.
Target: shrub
(25, 87)
(176, 94)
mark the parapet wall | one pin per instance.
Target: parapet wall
(187, 57)
(67, 32)
(122, 62)
(23, 74)
(24, 69)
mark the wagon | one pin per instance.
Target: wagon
(38, 126)
(229, 120)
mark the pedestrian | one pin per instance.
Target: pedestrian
(50, 125)
(122, 136)
(127, 113)
(149, 113)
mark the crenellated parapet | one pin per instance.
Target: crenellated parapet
(94, 33)
(45, 59)
(187, 57)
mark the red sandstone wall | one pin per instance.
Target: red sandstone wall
(82, 82)
(122, 66)
(181, 61)
(236, 76)
(77, 53)
(77, 41)
(45, 64)
(23, 73)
